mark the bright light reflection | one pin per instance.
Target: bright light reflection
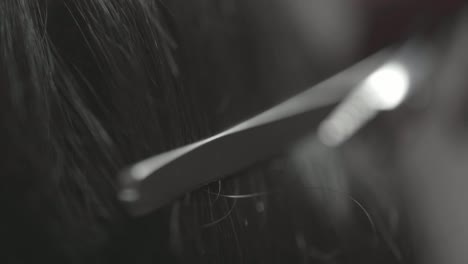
(384, 89)
(388, 86)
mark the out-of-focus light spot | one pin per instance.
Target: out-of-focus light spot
(384, 89)
(388, 86)
(330, 133)
(129, 195)
(139, 172)
(260, 206)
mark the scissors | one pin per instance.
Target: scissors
(334, 110)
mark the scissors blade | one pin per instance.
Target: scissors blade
(150, 184)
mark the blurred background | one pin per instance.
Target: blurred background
(411, 160)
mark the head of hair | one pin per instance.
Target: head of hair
(89, 86)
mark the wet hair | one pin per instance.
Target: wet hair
(89, 86)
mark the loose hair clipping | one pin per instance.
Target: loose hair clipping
(334, 110)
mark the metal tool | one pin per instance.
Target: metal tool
(334, 109)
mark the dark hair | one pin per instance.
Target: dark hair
(89, 86)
